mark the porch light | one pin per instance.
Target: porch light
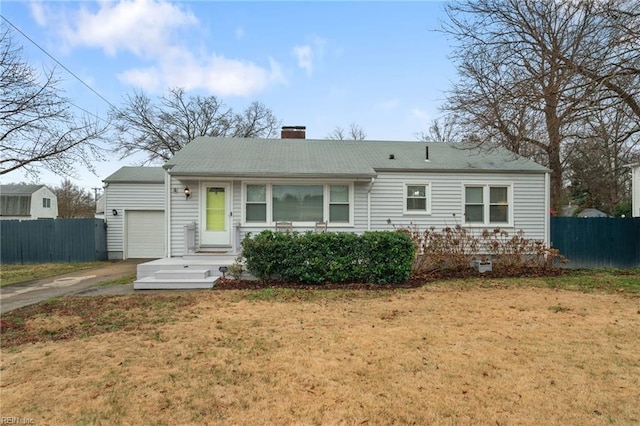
(187, 192)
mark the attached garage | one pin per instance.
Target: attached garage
(134, 213)
(145, 234)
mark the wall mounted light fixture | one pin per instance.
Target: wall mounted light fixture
(187, 192)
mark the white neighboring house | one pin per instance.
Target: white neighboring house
(134, 209)
(27, 202)
(100, 204)
(635, 189)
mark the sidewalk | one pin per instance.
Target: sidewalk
(79, 282)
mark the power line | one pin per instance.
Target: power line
(61, 64)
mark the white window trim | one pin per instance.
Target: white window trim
(325, 208)
(427, 192)
(487, 205)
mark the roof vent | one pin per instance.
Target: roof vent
(392, 157)
(426, 154)
(293, 132)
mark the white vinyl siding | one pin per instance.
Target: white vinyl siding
(40, 207)
(126, 197)
(447, 200)
(387, 202)
(183, 212)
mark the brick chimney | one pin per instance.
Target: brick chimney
(293, 132)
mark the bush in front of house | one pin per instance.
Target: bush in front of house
(454, 249)
(342, 257)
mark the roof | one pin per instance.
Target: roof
(19, 189)
(592, 213)
(243, 157)
(131, 174)
(15, 200)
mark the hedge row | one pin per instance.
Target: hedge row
(341, 257)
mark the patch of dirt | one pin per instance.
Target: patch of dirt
(416, 280)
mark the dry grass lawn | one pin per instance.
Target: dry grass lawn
(431, 355)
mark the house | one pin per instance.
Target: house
(590, 212)
(134, 206)
(635, 189)
(27, 202)
(100, 205)
(218, 190)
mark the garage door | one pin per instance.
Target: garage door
(145, 234)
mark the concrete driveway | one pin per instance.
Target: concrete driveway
(79, 282)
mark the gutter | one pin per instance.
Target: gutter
(167, 215)
(547, 209)
(369, 203)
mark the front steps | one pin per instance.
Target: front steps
(177, 279)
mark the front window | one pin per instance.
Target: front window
(486, 204)
(307, 203)
(339, 203)
(46, 203)
(297, 203)
(256, 208)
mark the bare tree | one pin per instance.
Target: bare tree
(37, 126)
(355, 133)
(443, 130)
(161, 130)
(597, 168)
(73, 201)
(613, 57)
(515, 87)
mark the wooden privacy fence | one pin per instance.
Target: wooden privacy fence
(52, 240)
(597, 242)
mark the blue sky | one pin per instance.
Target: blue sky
(318, 64)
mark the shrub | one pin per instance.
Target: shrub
(374, 257)
(456, 248)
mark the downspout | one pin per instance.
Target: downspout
(547, 209)
(369, 203)
(167, 216)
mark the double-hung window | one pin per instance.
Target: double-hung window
(417, 198)
(256, 206)
(487, 204)
(303, 203)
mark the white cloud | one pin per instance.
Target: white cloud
(142, 27)
(155, 31)
(39, 13)
(215, 74)
(304, 55)
(309, 54)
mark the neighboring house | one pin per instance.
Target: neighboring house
(237, 186)
(134, 206)
(590, 212)
(100, 205)
(27, 202)
(635, 189)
